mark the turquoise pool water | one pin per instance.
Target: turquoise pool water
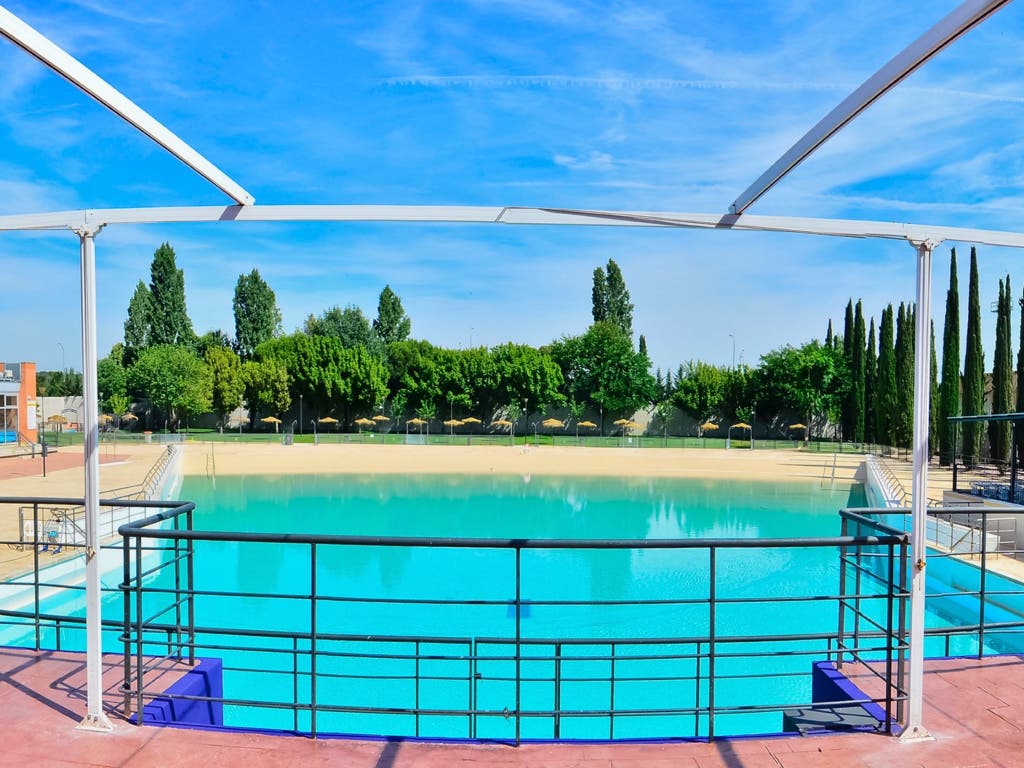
(535, 507)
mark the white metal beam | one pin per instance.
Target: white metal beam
(68, 67)
(959, 21)
(440, 214)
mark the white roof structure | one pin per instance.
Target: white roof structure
(924, 238)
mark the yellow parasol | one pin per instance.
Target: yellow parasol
(590, 424)
(327, 420)
(381, 417)
(620, 422)
(632, 425)
(740, 425)
(798, 426)
(416, 422)
(271, 420)
(552, 424)
(501, 423)
(453, 423)
(708, 426)
(56, 419)
(471, 420)
(130, 416)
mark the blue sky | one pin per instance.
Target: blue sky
(622, 105)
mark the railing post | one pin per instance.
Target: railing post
(696, 692)
(190, 579)
(127, 636)
(558, 690)
(888, 639)
(841, 623)
(982, 585)
(901, 668)
(35, 564)
(177, 585)
(138, 631)
(312, 640)
(611, 697)
(711, 644)
(519, 596)
(417, 672)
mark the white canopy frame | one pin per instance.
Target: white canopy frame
(924, 239)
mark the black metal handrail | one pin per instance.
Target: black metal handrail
(159, 599)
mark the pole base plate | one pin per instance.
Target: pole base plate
(914, 734)
(99, 723)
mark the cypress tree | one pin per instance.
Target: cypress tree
(974, 369)
(859, 373)
(870, 387)
(902, 402)
(886, 390)
(949, 390)
(847, 413)
(999, 431)
(1020, 384)
(828, 335)
(933, 400)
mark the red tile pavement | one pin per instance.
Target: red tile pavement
(21, 466)
(974, 709)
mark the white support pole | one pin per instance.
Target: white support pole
(914, 729)
(95, 718)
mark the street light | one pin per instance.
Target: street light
(63, 365)
(300, 415)
(316, 437)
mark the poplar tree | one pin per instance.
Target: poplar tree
(828, 335)
(136, 326)
(847, 416)
(974, 369)
(858, 373)
(169, 323)
(949, 389)
(620, 310)
(391, 323)
(999, 431)
(599, 296)
(903, 400)
(257, 318)
(870, 386)
(886, 390)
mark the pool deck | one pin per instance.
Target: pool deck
(975, 710)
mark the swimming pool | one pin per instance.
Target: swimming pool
(432, 628)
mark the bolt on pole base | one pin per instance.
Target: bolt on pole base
(916, 734)
(99, 723)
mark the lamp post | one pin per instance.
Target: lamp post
(63, 365)
(316, 437)
(300, 415)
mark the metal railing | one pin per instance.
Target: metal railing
(310, 663)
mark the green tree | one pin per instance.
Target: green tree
(828, 334)
(599, 296)
(870, 386)
(849, 407)
(215, 339)
(136, 325)
(602, 369)
(974, 368)
(642, 347)
(348, 325)
(168, 319)
(700, 389)
(174, 380)
(413, 375)
(858, 374)
(1002, 372)
(525, 375)
(228, 387)
(257, 318)
(886, 391)
(949, 389)
(391, 324)
(111, 382)
(620, 309)
(808, 380)
(266, 387)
